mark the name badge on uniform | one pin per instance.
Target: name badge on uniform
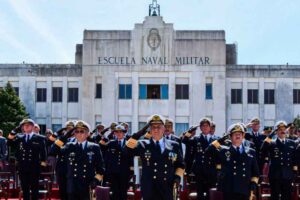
(228, 154)
(147, 155)
(90, 155)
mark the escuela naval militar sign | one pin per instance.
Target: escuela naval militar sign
(153, 61)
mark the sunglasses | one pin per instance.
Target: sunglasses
(81, 132)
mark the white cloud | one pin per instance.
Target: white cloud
(22, 8)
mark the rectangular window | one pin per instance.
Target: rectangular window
(164, 91)
(43, 128)
(141, 125)
(16, 90)
(56, 127)
(72, 94)
(236, 96)
(98, 91)
(182, 91)
(208, 91)
(143, 91)
(269, 96)
(154, 91)
(252, 96)
(125, 91)
(57, 94)
(41, 94)
(181, 127)
(296, 96)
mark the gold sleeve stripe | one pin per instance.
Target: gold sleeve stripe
(59, 143)
(216, 144)
(179, 172)
(148, 135)
(10, 136)
(254, 179)
(268, 140)
(219, 166)
(295, 168)
(187, 134)
(131, 143)
(99, 177)
(51, 138)
(44, 164)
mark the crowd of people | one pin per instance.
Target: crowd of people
(84, 158)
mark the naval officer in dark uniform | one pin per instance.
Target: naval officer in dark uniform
(239, 173)
(162, 162)
(117, 164)
(30, 155)
(67, 133)
(83, 160)
(282, 161)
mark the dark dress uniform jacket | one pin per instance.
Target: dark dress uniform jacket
(82, 165)
(282, 158)
(158, 170)
(116, 160)
(237, 170)
(29, 154)
(203, 164)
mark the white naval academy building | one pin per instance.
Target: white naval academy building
(127, 75)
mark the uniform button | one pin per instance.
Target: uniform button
(118, 163)
(281, 163)
(244, 169)
(155, 170)
(243, 163)
(166, 165)
(83, 176)
(155, 164)
(209, 163)
(75, 175)
(234, 161)
(75, 164)
(154, 177)
(234, 173)
(244, 175)
(75, 170)
(234, 167)
(165, 179)
(166, 172)
(84, 170)
(281, 158)
(84, 165)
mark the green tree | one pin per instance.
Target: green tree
(297, 122)
(12, 110)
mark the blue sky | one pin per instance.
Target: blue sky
(46, 31)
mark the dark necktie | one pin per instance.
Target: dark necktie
(120, 144)
(27, 138)
(157, 147)
(238, 151)
(80, 145)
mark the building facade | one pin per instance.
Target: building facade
(127, 75)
